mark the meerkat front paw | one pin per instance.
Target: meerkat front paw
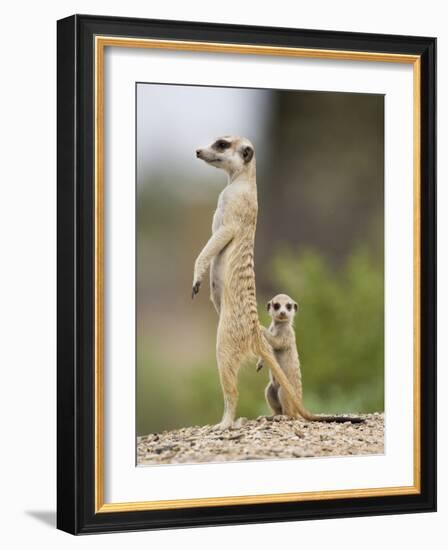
(195, 289)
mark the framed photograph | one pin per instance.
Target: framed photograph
(246, 274)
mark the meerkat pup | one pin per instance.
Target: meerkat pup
(282, 338)
(229, 254)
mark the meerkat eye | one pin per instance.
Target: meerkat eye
(289, 307)
(222, 144)
(277, 306)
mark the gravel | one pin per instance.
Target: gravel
(263, 438)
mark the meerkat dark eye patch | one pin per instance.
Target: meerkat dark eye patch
(221, 145)
(289, 307)
(247, 153)
(276, 306)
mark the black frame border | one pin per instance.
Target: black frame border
(75, 272)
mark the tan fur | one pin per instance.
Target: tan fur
(230, 253)
(281, 336)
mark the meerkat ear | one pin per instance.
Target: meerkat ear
(247, 153)
(296, 306)
(268, 306)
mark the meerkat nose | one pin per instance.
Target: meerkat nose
(198, 153)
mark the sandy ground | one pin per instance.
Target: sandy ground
(263, 438)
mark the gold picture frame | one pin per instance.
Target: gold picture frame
(100, 40)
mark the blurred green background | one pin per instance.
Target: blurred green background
(319, 239)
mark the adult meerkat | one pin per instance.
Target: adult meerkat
(230, 255)
(281, 337)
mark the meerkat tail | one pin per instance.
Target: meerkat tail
(282, 379)
(339, 419)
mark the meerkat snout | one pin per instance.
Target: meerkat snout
(282, 308)
(230, 153)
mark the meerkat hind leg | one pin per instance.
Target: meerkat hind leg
(228, 374)
(271, 393)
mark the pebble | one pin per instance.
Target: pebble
(263, 438)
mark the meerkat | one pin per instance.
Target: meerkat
(229, 254)
(281, 337)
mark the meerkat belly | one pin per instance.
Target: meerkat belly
(217, 277)
(282, 357)
(218, 263)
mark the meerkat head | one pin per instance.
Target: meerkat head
(282, 308)
(230, 153)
